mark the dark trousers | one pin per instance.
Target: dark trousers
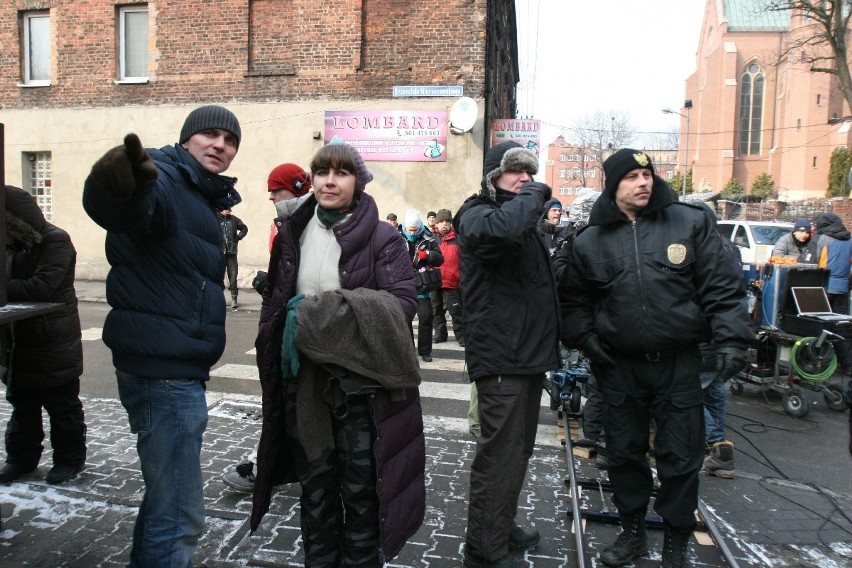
(232, 268)
(508, 415)
(669, 391)
(339, 502)
(839, 302)
(424, 326)
(25, 433)
(593, 412)
(443, 301)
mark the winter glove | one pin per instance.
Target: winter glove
(422, 255)
(594, 350)
(730, 360)
(259, 282)
(124, 169)
(542, 188)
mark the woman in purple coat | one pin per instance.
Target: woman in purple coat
(343, 421)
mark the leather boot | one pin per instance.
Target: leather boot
(676, 547)
(234, 300)
(632, 541)
(523, 539)
(720, 461)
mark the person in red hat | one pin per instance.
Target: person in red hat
(287, 185)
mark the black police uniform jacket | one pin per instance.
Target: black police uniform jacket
(659, 283)
(507, 286)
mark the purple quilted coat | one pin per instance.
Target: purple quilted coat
(374, 255)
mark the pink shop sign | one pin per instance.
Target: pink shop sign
(391, 135)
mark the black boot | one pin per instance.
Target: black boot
(631, 542)
(234, 300)
(676, 547)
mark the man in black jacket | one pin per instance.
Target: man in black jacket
(233, 231)
(511, 341)
(648, 281)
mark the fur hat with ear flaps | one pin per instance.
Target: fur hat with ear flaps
(506, 157)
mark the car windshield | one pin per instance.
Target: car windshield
(769, 234)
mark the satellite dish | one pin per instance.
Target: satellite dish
(463, 115)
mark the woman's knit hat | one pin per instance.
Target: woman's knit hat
(289, 177)
(207, 118)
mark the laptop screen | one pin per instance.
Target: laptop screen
(811, 300)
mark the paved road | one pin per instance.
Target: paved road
(790, 504)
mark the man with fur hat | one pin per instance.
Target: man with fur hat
(167, 323)
(648, 280)
(46, 358)
(511, 341)
(797, 245)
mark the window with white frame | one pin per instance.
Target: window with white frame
(133, 43)
(38, 180)
(36, 48)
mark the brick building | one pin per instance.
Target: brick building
(75, 77)
(756, 109)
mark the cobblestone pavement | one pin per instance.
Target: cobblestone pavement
(789, 505)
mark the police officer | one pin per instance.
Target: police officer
(646, 282)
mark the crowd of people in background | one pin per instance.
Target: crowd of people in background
(646, 289)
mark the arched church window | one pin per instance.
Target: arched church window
(751, 109)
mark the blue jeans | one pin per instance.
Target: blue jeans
(169, 417)
(714, 406)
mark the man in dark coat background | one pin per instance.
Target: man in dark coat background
(233, 231)
(46, 351)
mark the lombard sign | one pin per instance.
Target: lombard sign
(526, 132)
(391, 135)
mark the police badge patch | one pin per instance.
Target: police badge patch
(676, 253)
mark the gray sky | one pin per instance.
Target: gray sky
(579, 57)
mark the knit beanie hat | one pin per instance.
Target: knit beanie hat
(555, 204)
(363, 176)
(619, 164)
(411, 219)
(802, 224)
(444, 215)
(289, 177)
(208, 117)
(506, 157)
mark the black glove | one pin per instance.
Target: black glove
(124, 169)
(730, 360)
(259, 282)
(542, 188)
(594, 350)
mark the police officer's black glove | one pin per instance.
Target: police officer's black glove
(594, 350)
(259, 282)
(124, 169)
(730, 360)
(542, 188)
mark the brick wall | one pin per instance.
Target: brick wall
(253, 51)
